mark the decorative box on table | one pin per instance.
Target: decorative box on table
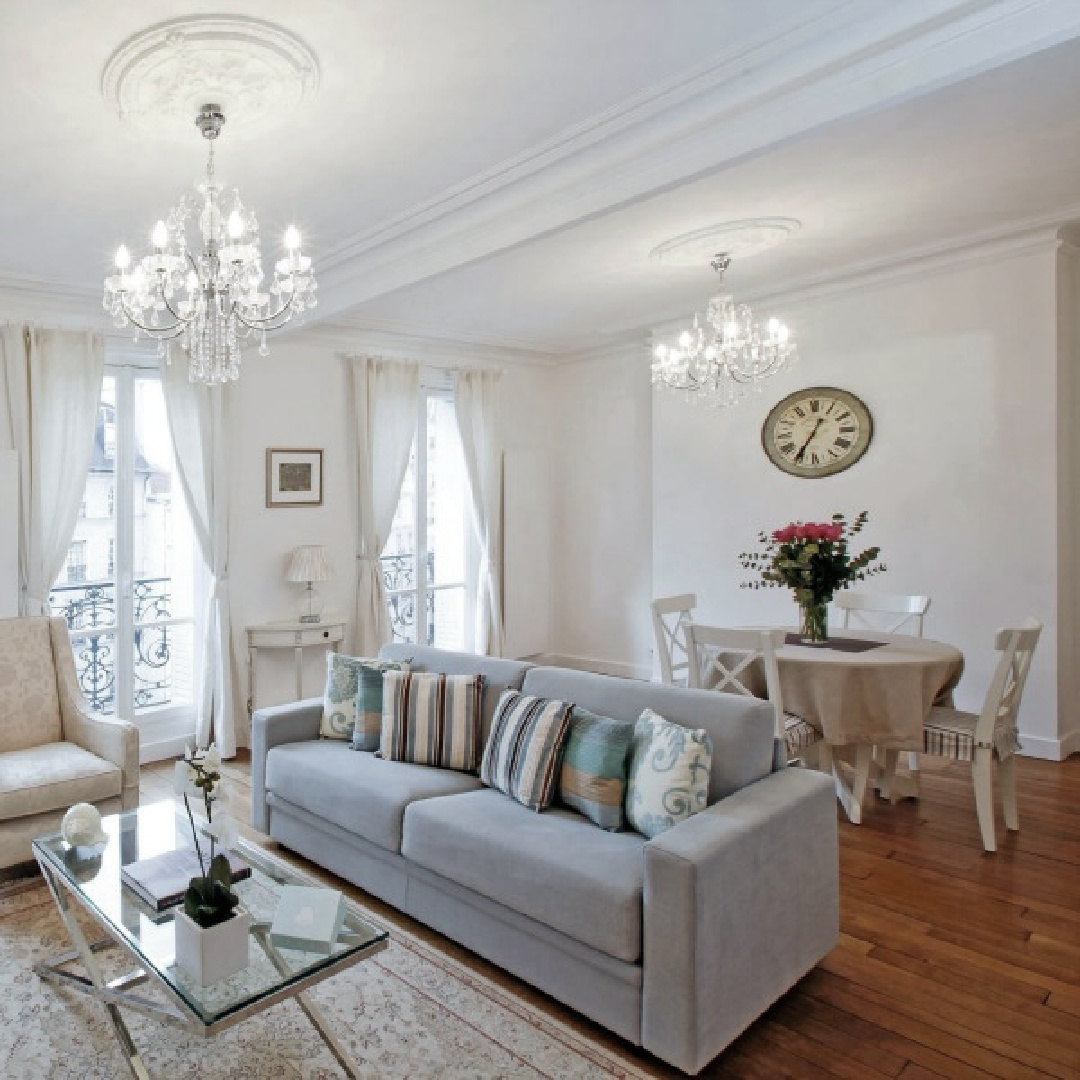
(308, 918)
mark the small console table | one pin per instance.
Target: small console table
(291, 635)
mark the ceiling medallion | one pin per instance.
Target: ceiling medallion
(736, 238)
(256, 71)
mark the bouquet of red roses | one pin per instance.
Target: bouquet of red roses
(813, 560)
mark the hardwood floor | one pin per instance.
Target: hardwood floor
(952, 964)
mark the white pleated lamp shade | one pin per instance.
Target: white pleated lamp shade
(310, 562)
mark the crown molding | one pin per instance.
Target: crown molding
(1035, 236)
(860, 57)
(403, 343)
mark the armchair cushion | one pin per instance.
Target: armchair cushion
(29, 703)
(53, 777)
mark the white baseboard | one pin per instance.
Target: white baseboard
(1050, 749)
(601, 667)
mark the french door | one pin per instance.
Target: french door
(128, 586)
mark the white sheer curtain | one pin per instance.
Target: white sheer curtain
(198, 421)
(476, 395)
(385, 399)
(51, 384)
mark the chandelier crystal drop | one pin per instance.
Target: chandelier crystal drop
(210, 298)
(720, 362)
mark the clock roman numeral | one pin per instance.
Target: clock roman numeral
(787, 448)
(843, 443)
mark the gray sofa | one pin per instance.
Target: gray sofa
(677, 943)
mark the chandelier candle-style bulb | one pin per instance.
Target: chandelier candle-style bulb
(720, 362)
(211, 296)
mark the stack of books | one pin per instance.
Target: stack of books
(161, 881)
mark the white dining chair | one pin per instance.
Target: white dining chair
(888, 614)
(710, 650)
(982, 737)
(670, 617)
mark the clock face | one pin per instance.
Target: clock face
(817, 432)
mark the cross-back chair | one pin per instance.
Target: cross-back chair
(991, 733)
(898, 614)
(729, 656)
(670, 617)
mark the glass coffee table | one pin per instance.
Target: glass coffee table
(90, 879)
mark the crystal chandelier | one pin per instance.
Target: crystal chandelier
(720, 362)
(210, 299)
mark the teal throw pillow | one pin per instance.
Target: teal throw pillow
(593, 776)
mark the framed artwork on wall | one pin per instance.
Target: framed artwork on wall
(294, 477)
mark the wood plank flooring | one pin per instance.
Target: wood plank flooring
(953, 964)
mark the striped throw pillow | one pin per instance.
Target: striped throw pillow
(432, 719)
(525, 747)
(342, 698)
(593, 776)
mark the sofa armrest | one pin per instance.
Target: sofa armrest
(740, 901)
(297, 722)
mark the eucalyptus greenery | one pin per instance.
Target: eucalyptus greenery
(209, 899)
(812, 559)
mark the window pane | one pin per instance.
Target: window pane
(448, 618)
(403, 615)
(163, 555)
(447, 496)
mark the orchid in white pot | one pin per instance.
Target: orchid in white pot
(211, 930)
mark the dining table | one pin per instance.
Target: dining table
(863, 691)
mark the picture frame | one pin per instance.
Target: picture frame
(294, 477)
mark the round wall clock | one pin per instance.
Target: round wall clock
(818, 431)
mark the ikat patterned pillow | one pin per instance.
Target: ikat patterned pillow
(669, 774)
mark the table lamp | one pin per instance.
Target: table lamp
(310, 563)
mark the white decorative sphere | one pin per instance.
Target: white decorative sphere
(81, 826)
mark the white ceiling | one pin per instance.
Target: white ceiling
(498, 170)
(996, 150)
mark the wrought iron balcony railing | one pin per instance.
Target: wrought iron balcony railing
(89, 609)
(399, 580)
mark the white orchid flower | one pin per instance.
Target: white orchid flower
(184, 777)
(212, 758)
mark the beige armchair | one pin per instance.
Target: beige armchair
(54, 751)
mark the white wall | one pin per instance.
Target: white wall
(959, 369)
(604, 518)
(296, 398)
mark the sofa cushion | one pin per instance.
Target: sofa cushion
(29, 701)
(432, 719)
(358, 791)
(557, 867)
(593, 776)
(524, 750)
(54, 777)
(741, 728)
(499, 675)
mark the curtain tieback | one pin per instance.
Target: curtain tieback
(220, 587)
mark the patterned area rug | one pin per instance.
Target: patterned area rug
(409, 1013)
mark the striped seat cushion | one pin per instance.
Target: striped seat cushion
(525, 747)
(432, 719)
(950, 733)
(593, 775)
(799, 734)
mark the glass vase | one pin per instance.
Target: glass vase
(814, 621)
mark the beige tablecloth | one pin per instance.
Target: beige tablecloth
(881, 696)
